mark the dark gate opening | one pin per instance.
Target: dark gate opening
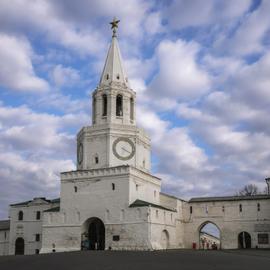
(244, 240)
(19, 246)
(96, 235)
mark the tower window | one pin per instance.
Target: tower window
(117, 76)
(223, 208)
(240, 208)
(107, 77)
(75, 189)
(119, 105)
(137, 187)
(258, 207)
(156, 213)
(94, 110)
(104, 110)
(38, 215)
(20, 215)
(96, 159)
(113, 186)
(131, 109)
(190, 210)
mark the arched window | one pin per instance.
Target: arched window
(75, 189)
(240, 208)
(131, 108)
(119, 105)
(258, 207)
(94, 111)
(20, 215)
(107, 76)
(96, 159)
(104, 102)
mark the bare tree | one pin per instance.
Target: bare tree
(248, 190)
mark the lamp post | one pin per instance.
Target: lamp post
(267, 180)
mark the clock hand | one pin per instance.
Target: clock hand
(125, 150)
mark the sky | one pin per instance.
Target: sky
(201, 71)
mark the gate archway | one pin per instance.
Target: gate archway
(209, 236)
(94, 234)
(244, 240)
(164, 239)
(19, 246)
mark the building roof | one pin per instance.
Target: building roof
(113, 70)
(140, 203)
(229, 198)
(54, 209)
(172, 196)
(57, 200)
(4, 225)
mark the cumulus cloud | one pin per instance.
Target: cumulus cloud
(16, 70)
(181, 14)
(179, 75)
(35, 148)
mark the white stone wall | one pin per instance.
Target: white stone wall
(230, 222)
(4, 242)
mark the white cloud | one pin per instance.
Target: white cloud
(179, 76)
(64, 76)
(16, 70)
(181, 14)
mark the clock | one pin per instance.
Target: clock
(80, 153)
(123, 148)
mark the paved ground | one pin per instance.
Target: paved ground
(127, 260)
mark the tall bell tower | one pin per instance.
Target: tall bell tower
(113, 139)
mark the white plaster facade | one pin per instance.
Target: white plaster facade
(112, 201)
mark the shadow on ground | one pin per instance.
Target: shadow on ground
(130, 260)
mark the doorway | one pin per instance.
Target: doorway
(19, 246)
(244, 240)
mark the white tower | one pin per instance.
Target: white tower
(113, 139)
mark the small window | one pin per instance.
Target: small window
(240, 208)
(171, 217)
(5, 235)
(113, 186)
(116, 237)
(190, 209)
(75, 189)
(38, 215)
(107, 77)
(118, 77)
(223, 208)
(144, 163)
(137, 187)
(37, 237)
(96, 159)
(258, 207)
(156, 213)
(37, 251)
(20, 215)
(263, 238)
(155, 193)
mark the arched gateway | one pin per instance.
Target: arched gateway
(19, 246)
(93, 236)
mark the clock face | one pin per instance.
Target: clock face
(80, 153)
(123, 148)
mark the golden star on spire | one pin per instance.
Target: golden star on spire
(114, 26)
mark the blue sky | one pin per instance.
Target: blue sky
(201, 70)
